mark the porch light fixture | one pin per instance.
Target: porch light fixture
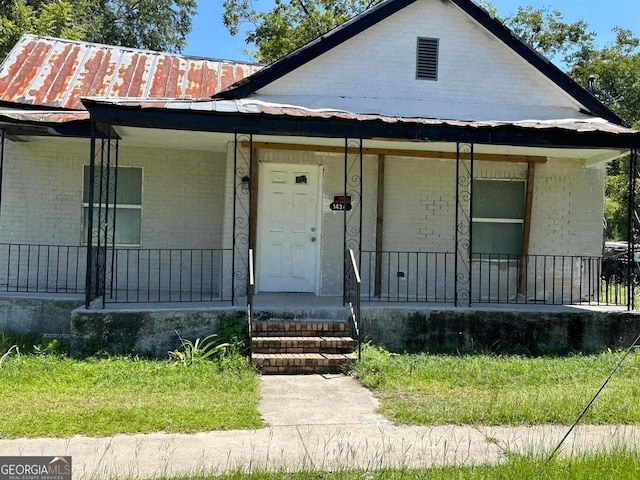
(246, 183)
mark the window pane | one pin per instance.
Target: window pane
(128, 223)
(503, 238)
(129, 185)
(498, 199)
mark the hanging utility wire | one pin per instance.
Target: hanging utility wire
(593, 399)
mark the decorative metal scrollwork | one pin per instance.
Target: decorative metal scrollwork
(102, 203)
(242, 160)
(464, 181)
(352, 198)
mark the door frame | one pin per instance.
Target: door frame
(318, 212)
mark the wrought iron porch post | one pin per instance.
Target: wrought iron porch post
(115, 210)
(100, 236)
(633, 224)
(2, 166)
(352, 206)
(242, 160)
(89, 267)
(463, 232)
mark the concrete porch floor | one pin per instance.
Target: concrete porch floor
(333, 304)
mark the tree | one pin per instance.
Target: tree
(547, 32)
(56, 18)
(154, 24)
(289, 24)
(616, 73)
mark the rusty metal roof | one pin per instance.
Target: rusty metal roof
(252, 106)
(52, 72)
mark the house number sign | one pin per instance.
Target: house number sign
(341, 203)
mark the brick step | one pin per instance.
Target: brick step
(300, 328)
(301, 363)
(302, 344)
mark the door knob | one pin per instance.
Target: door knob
(313, 239)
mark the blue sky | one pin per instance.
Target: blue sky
(209, 37)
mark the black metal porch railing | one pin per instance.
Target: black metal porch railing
(34, 268)
(169, 275)
(204, 275)
(352, 287)
(537, 279)
(394, 276)
(428, 277)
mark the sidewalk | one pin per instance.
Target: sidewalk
(316, 422)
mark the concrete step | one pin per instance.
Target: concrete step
(301, 363)
(302, 344)
(300, 328)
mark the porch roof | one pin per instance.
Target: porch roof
(16, 122)
(259, 117)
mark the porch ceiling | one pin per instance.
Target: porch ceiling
(214, 141)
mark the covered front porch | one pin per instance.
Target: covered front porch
(420, 215)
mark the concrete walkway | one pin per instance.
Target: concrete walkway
(316, 422)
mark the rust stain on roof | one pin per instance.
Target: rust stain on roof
(52, 72)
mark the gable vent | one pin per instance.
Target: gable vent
(427, 61)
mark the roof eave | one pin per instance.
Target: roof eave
(266, 124)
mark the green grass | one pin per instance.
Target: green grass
(50, 395)
(620, 465)
(499, 389)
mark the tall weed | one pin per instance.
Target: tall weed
(196, 352)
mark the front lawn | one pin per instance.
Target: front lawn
(50, 395)
(620, 465)
(429, 389)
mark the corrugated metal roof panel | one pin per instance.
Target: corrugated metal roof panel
(248, 106)
(57, 73)
(31, 116)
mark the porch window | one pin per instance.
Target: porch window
(498, 208)
(128, 203)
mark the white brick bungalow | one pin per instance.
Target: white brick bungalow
(460, 166)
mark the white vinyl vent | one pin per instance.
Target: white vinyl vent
(427, 61)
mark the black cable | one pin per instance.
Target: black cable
(593, 399)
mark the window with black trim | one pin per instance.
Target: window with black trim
(128, 204)
(498, 208)
(427, 59)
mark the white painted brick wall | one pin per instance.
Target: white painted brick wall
(478, 77)
(419, 212)
(568, 209)
(42, 194)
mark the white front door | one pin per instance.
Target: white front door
(288, 229)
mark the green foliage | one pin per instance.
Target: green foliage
(547, 32)
(154, 24)
(24, 341)
(197, 352)
(620, 464)
(500, 389)
(13, 348)
(54, 18)
(54, 396)
(234, 331)
(616, 199)
(616, 69)
(53, 347)
(289, 24)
